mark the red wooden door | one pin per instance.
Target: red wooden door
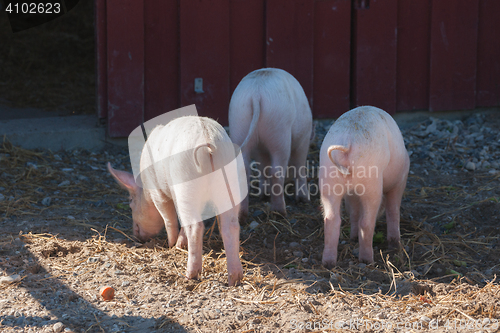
(161, 58)
(453, 55)
(246, 39)
(289, 39)
(332, 53)
(204, 54)
(125, 65)
(488, 54)
(413, 57)
(398, 55)
(374, 54)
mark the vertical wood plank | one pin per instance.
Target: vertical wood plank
(453, 54)
(374, 55)
(161, 47)
(289, 39)
(332, 51)
(125, 36)
(247, 39)
(413, 57)
(204, 53)
(101, 58)
(488, 54)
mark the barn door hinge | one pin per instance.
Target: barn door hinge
(361, 4)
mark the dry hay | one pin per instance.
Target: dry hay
(441, 273)
(421, 302)
(51, 66)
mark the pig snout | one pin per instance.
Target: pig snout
(140, 234)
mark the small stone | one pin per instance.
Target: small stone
(257, 212)
(425, 318)
(64, 183)
(58, 327)
(294, 244)
(361, 265)
(298, 254)
(46, 201)
(10, 279)
(424, 239)
(355, 252)
(92, 260)
(305, 260)
(470, 166)
(492, 171)
(125, 283)
(254, 225)
(67, 169)
(57, 157)
(2, 197)
(32, 165)
(70, 217)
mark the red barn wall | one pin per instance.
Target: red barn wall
(400, 55)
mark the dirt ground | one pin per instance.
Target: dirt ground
(66, 232)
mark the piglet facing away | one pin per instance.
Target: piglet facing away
(181, 177)
(364, 160)
(270, 118)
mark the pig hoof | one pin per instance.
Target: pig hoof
(394, 244)
(193, 274)
(242, 218)
(235, 279)
(329, 264)
(181, 243)
(279, 211)
(366, 260)
(302, 198)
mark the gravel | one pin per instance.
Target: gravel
(466, 145)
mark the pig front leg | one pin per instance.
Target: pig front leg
(332, 220)
(262, 159)
(230, 230)
(182, 240)
(353, 207)
(166, 208)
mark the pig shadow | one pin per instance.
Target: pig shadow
(71, 309)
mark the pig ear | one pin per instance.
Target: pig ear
(124, 179)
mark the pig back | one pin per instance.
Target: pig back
(168, 158)
(283, 105)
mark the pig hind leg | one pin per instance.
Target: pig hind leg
(190, 205)
(263, 161)
(278, 171)
(230, 230)
(370, 202)
(331, 211)
(244, 204)
(392, 214)
(297, 163)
